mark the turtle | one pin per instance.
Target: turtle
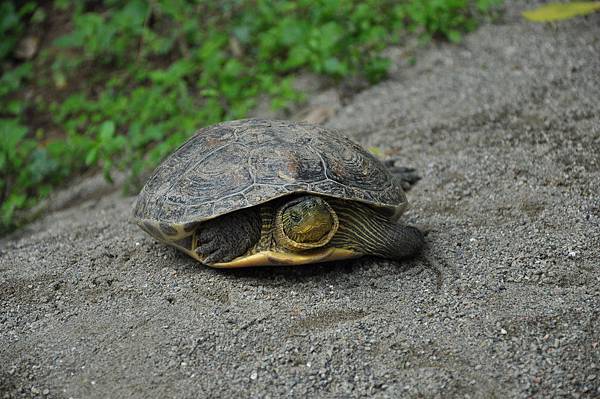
(259, 192)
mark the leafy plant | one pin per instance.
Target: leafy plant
(447, 18)
(24, 169)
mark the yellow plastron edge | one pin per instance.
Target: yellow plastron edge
(270, 258)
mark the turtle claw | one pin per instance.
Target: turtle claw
(213, 252)
(207, 246)
(207, 251)
(218, 256)
(210, 247)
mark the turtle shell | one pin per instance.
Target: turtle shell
(240, 164)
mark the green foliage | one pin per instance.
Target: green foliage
(446, 18)
(128, 81)
(25, 169)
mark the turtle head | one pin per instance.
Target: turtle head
(305, 222)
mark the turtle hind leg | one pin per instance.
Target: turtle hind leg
(225, 238)
(407, 176)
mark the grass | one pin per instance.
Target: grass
(119, 84)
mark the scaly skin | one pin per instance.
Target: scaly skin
(229, 236)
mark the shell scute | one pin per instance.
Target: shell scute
(332, 188)
(286, 164)
(228, 203)
(259, 193)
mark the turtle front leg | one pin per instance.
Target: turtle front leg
(229, 236)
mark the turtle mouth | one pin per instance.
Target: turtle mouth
(316, 226)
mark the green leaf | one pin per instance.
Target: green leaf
(41, 166)
(297, 57)
(377, 68)
(209, 92)
(333, 66)
(561, 11)
(7, 209)
(15, 107)
(329, 35)
(106, 170)
(291, 31)
(91, 157)
(454, 36)
(232, 68)
(12, 133)
(107, 130)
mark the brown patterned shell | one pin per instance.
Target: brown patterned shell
(240, 164)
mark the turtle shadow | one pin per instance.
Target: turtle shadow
(343, 273)
(293, 272)
(330, 272)
(334, 271)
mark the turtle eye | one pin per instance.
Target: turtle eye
(295, 216)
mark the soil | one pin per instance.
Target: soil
(505, 302)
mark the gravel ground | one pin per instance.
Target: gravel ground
(504, 129)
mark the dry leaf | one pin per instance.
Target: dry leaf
(561, 11)
(27, 48)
